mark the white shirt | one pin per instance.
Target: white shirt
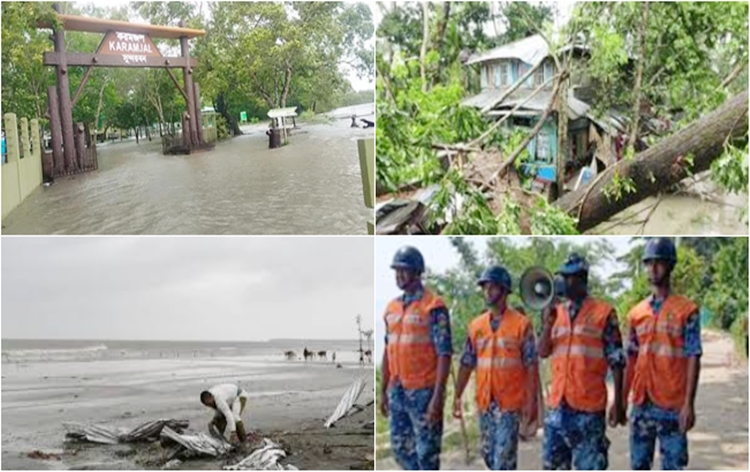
(227, 401)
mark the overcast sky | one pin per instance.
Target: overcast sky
(186, 288)
(440, 255)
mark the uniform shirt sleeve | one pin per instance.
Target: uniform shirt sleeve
(613, 350)
(692, 336)
(469, 357)
(441, 331)
(633, 345)
(528, 349)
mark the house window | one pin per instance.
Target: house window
(483, 77)
(523, 68)
(505, 74)
(498, 79)
(547, 71)
(539, 76)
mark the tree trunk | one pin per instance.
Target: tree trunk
(136, 134)
(223, 109)
(287, 86)
(638, 76)
(425, 40)
(87, 134)
(663, 165)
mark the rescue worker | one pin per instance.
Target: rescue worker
(502, 349)
(228, 401)
(582, 337)
(415, 367)
(664, 350)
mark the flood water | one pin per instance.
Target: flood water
(684, 213)
(311, 186)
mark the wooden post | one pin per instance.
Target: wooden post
(63, 94)
(187, 76)
(186, 131)
(367, 169)
(80, 141)
(25, 143)
(198, 116)
(56, 131)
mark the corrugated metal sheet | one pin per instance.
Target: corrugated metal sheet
(347, 401)
(200, 444)
(539, 102)
(266, 457)
(530, 50)
(101, 434)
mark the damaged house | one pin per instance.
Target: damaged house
(592, 144)
(517, 86)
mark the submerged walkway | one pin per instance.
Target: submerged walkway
(311, 186)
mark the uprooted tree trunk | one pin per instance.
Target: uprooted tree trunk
(662, 165)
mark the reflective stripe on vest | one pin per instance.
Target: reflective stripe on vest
(582, 330)
(499, 342)
(585, 351)
(409, 339)
(499, 363)
(660, 349)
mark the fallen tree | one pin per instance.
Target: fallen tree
(661, 166)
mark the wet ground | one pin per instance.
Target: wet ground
(311, 186)
(289, 403)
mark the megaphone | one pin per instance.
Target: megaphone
(538, 287)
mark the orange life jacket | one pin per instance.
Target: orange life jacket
(500, 372)
(579, 367)
(661, 369)
(412, 358)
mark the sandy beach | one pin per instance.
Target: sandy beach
(290, 400)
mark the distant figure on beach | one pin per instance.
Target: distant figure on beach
(309, 354)
(368, 355)
(333, 357)
(228, 401)
(323, 355)
(290, 355)
(361, 358)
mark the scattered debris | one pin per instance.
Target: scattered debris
(107, 435)
(347, 402)
(200, 444)
(266, 457)
(172, 465)
(45, 456)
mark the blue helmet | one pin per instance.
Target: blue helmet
(498, 275)
(574, 264)
(660, 249)
(408, 257)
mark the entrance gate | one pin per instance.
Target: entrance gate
(124, 44)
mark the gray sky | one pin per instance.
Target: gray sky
(191, 288)
(439, 256)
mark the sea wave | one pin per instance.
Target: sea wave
(31, 355)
